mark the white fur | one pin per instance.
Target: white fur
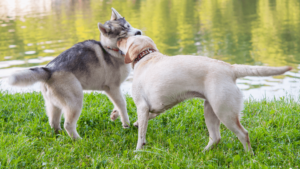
(161, 82)
(27, 77)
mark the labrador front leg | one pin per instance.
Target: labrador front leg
(119, 102)
(143, 116)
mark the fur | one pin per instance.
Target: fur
(88, 65)
(160, 82)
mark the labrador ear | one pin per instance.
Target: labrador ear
(127, 58)
(129, 50)
(132, 49)
(103, 29)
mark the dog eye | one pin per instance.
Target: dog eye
(124, 28)
(123, 33)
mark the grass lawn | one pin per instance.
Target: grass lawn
(175, 139)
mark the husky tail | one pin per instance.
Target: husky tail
(29, 76)
(245, 70)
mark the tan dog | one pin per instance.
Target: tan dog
(160, 82)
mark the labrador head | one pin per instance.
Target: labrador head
(134, 45)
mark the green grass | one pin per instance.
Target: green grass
(175, 139)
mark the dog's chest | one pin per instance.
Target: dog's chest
(124, 72)
(164, 101)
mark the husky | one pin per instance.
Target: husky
(160, 82)
(88, 65)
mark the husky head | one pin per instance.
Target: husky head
(116, 28)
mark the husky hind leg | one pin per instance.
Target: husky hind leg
(64, 93)
(53, 112)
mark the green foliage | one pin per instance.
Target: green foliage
(175, 139)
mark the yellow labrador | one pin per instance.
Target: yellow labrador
(160, 82)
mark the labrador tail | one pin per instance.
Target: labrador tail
(245, 70)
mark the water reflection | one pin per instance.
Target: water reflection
(256, 32)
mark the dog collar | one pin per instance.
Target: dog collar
(114, 49)
(142, 54)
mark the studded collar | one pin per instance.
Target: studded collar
(142, 55)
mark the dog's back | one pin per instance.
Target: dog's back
(88, 61)
(78, 59)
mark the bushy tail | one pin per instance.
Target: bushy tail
(29, 76)
(245, 70)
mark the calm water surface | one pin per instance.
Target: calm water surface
(256, 32)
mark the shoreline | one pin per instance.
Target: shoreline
(262, 93)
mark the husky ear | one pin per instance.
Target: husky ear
(115, 15)
(103, 28)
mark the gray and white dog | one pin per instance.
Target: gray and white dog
(88, 65)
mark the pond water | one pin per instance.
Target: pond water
(256, 32)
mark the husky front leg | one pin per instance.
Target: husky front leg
(114, 114)
(119, 102)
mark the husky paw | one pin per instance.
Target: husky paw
(77, 138)
(136, 124)
(58, 131)
(114, 115)
(126, 126)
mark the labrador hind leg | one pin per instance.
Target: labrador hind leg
(213, 126)
(228, 109)
(236, 127)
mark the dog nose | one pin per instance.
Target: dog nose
(138, 33)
